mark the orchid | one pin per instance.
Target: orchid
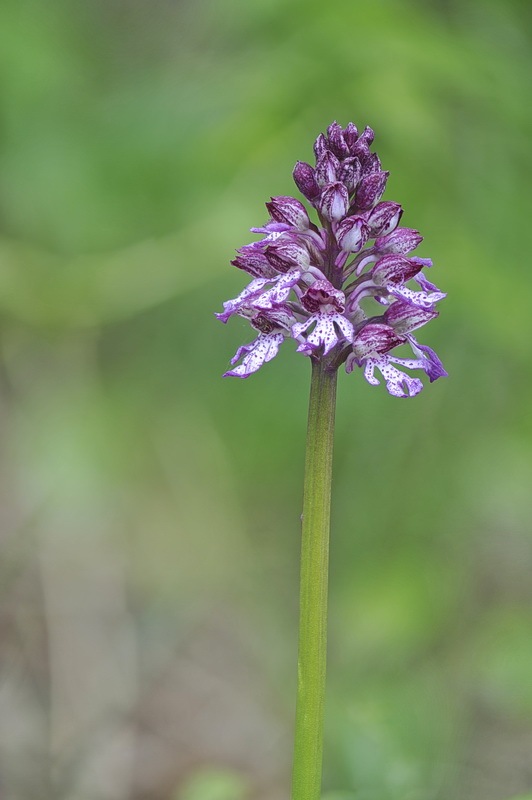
(331, 279)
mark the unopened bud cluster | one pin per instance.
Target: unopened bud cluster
(347, 289)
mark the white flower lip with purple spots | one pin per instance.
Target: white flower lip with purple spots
(344, 287)
(326, 305)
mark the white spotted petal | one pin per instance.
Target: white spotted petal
(398, 383)
(259, 352)
(279, 291)
(324, 333)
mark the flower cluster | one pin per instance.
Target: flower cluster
(347, 290)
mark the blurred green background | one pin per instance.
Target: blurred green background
(150, 510)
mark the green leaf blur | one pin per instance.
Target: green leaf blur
(150, 514)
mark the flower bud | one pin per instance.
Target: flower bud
(289, 210)
(361, 147)
(352, 234)
(326, 169)
(384, 218)
(305, 180)
(334, 202)
(371, 163)
(370, 190)
(320, 146)
(405, 317)
(287, 255)
(367, 135)
(337, 144)
(394, 269)
(400, 241)
(255, 264)
(350, 135)
(349, 173)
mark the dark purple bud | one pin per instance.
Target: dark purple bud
(305, 180)
(384, 218)
(400, 241)
(370, 190)
(375, 337)
(361, 151)
(320, 146)
(350, 135)
(333, 130)
(289, 210)
(394, 269)
(323, 293)
(326, 169)
(367, 136)
(371, 163)
(337, 144)
(405, 317)
(334, 202)
(352, 234)
(287, 255)
(349, 173)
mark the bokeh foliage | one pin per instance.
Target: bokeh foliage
(150, 514)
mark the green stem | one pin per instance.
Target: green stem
(308, 745)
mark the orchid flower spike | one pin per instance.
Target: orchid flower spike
(346, 287)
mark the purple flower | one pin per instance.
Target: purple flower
(245, 298)
(279, 292)
(344, 288)
(423, 299)
(325, 304)
(256, 296)
(272, 327)
(259, 352)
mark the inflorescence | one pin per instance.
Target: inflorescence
(340, 288)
